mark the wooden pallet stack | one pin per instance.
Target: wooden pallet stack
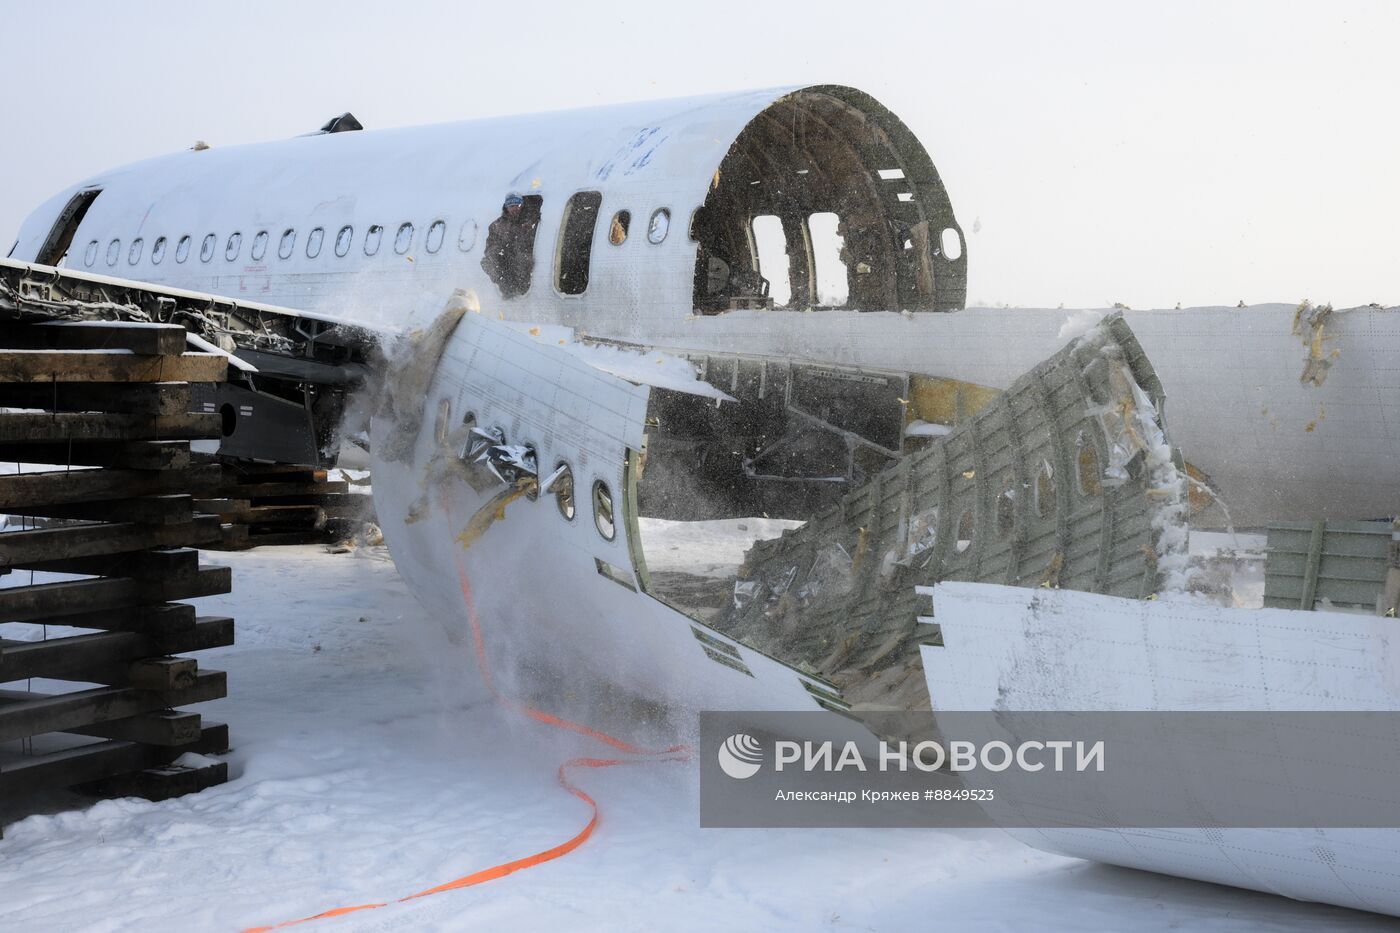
(272, 504)
(96, 557)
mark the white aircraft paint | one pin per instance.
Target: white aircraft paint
(1060, 650)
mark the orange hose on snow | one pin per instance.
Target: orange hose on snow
(673, 753)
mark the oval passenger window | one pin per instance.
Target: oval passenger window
(617, 230)
(659, 225)
(467, 238)
(435, 234)
(951, 242)
(603, 511)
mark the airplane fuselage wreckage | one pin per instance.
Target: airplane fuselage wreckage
(682, 393)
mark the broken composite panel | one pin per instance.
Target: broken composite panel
(1064, 480)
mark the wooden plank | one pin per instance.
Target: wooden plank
(45, 544)
(145, 510)
(220, 506)
(149, 339)
(52, 601)
(24, 713)
(106, 657)
(39, 427)
(157, 564)
(309, 516)
(115, 366)
(134, 455)
(164, 727)
(59, 487)
(259, 491)
(280, 472)
(231, 538)
(147, 398)
(276, 539)
(98, 760)
(163, 783)
(161, 674)
(161, 619)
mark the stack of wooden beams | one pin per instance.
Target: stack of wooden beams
(97, 552)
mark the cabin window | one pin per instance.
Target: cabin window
(659, 225)
(259, 246)
(287, 244)
(313, 242)
(133, 255)
(576, 242)
(435, 234)
(235, 243)
(603, 517)
(206, 248)
(951, 243)
(509, 256)
(403, 239)
(617, 230)
(773, 265)
(372, 238)
(563, 489)
(343, 238)
(467, 238)
(90, 254)
(828, 251)
(114, 252)
(158, 251)
(182, 249)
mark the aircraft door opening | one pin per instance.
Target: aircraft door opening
(65, 226)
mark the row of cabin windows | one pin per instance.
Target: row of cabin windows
(286, 245)
(571, 265)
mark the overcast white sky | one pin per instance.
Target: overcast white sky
(1187, 152)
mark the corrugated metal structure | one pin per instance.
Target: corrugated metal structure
(1338, 565)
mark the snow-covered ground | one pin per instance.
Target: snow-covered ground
(369, 764)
